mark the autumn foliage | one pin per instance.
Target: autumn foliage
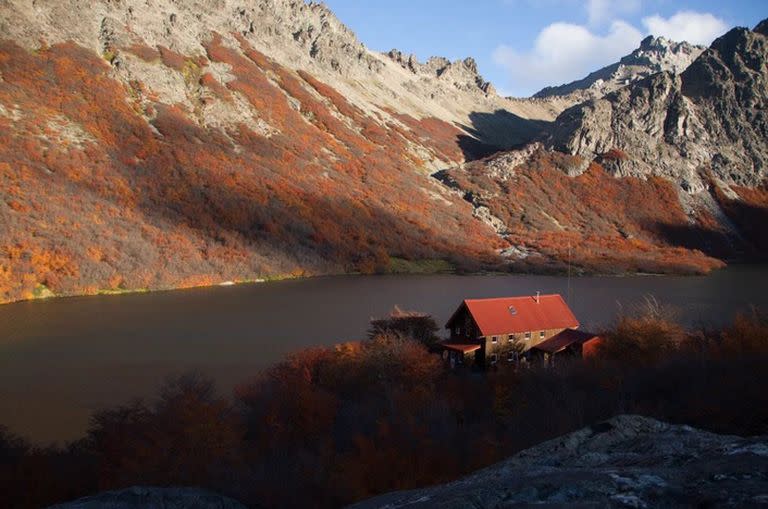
(330, 426)
(598, 222)
(105, 187)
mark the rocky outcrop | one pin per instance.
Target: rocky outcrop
(462, 74)
(655, 54)
(153, 498)
(628, 461)
(710, 117)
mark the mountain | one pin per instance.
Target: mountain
(166, 145)
(655, 54)
(627, 461)
(626, 180)
(172, 144)
(711, 116)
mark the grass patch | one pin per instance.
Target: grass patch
(109, 56)
(121, 291)
(42, 292)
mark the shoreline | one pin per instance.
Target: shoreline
(47, 295)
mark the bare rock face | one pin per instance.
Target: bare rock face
(712, 116)
(462, 74)
(297, 31)
(655, 54)
(628, 461)
(296, 34)
(153, 498)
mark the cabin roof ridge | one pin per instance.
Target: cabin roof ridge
(533, 296)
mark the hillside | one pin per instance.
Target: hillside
(175, 145)
(163, 147)
(663, 174)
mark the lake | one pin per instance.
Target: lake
(61, 359)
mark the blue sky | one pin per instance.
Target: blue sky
(523, 45)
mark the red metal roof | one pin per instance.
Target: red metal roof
(520, 314)
(462, 347)
(564, 339)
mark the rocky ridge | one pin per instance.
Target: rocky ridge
(296, 34)
(627, 461)
(463, 74)
(693, 144)
(709, 118)
(655, 54)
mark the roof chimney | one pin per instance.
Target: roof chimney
(537, 297)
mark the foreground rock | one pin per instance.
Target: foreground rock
(628, 461)
(154, 498)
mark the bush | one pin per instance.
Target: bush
(413, 325)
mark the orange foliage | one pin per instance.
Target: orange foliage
(328, 190)
(749, 212)
(144, 52)
(435, 133)
(610, 224)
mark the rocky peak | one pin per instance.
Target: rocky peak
(709, 118)
(655, 54)
(661, 54)
(762, 27)
(462, 74)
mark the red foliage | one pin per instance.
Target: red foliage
(207, 80)
(178, 61)
(327, 189)
(610, 224)
(435, 133)
(144, 52)
(749, 212)
(614, 154)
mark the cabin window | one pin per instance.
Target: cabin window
(512, 356)
(527, 336)
(458, 331)
(511, 338)
(494, 358)
(541, 334)
(495, 339)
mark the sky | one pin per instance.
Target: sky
(522, 46)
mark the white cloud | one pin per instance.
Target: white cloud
(564, 52)
(602, 11)
(694, 27)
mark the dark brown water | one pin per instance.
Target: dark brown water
(61, 359)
